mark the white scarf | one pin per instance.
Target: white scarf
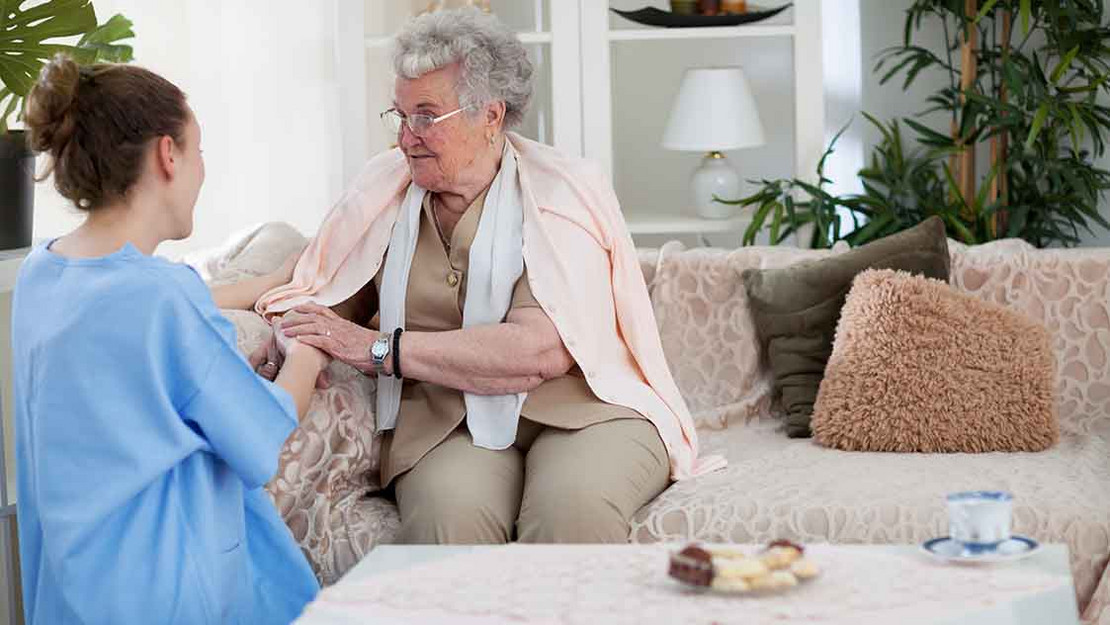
(496, 263)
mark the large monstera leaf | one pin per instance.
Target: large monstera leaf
(29, 36)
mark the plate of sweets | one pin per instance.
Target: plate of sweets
(779, 566)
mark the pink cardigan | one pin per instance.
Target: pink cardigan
(582, 267)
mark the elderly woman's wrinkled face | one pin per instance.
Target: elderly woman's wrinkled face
(441, 160)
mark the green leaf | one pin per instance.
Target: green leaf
(13, 101)
(103, 40)
(871, 229)
(981, 207)
(1017, 217)
(1075, 127)
(1038, 122)
(897, 68)
(24, 34)
(987, 6)
(953, 187)
(776, 222)
(928, 135)
(1063, 65)
(1026, 10)
(966, 235)
(758, 219)
(116, 28)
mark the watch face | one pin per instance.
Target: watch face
(379, 349)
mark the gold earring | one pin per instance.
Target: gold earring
(490, 139)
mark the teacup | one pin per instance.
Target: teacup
(979, 520)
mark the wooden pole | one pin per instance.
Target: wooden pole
(968, 73)
(999, 142)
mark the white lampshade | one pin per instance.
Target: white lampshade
(713, 111)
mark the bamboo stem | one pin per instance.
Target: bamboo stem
(1000, 184)
(968, 74)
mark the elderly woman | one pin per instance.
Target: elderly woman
(490, 285)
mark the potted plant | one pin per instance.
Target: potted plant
(29, 36)
(1025, 96)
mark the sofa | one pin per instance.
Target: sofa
(774, 486)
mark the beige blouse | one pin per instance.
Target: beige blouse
(434, 303)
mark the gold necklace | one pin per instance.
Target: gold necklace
(439, 229)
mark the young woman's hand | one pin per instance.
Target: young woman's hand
(268, 359)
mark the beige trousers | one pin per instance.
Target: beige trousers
(552, 485)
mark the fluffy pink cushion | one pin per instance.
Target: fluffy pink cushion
(920, 367)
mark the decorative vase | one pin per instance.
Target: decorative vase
(715, 177)
(17, 190)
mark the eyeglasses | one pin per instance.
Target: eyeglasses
(418, 123)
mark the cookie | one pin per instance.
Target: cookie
(780, 557)
(730, 584)
(783, 579)
(739, 568)
(804, 569)
(786, 543)
(727, 552)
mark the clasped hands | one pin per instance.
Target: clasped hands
(320, 329)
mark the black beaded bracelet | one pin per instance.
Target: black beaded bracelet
(397, 352)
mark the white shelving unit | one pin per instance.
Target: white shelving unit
(666, 224)
(525, 37)
(809, 100)
(709, 32)
(573, 43)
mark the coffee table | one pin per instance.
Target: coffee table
(628, 584)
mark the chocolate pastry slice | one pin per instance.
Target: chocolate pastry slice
(692, 565)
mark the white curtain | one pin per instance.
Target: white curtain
(261, 76)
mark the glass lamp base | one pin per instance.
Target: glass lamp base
(715, 177)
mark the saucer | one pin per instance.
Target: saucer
(948, 550)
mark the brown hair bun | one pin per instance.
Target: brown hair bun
(48, 115)
(96, 124)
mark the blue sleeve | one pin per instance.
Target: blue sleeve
(244, 418)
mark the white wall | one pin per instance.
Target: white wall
(881, 26)
(260, 75)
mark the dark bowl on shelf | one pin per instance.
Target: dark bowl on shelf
(652, 16)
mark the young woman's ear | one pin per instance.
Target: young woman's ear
(164, 156)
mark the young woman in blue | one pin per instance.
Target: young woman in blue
(143, 437)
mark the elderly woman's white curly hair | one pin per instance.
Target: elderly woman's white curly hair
(495, 65)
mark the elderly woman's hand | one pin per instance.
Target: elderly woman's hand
(323, 329)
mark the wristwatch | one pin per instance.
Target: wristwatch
(379, 351)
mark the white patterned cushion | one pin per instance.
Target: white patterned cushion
(1068, 291)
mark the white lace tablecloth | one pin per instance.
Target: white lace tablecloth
(628, 584)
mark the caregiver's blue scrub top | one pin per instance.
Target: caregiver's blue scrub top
(142, 441)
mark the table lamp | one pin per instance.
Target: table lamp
(714, 111)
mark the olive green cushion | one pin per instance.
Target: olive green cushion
(796, 309)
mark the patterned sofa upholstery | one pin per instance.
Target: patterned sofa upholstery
(774, 487)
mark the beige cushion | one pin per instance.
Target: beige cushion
(252, 252)
(919, 367)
